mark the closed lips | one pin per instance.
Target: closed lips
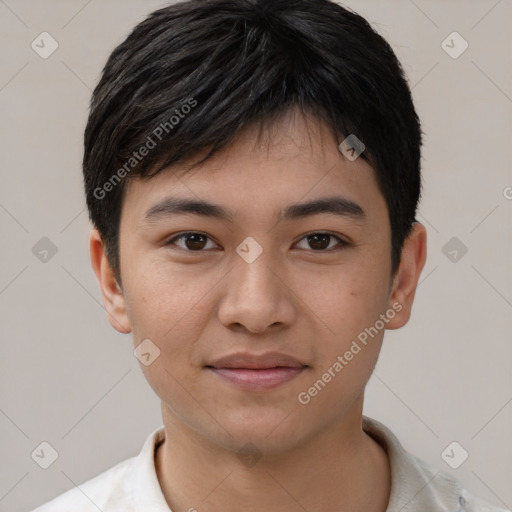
(256, 373)
(256, 361)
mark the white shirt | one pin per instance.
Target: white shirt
(132, 485)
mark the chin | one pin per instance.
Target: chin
(271, 432)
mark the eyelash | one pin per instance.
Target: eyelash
(341, 243)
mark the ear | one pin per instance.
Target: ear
(113, 297)
(414, 254)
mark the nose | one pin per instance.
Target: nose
(256, 297)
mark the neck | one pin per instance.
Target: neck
(346, 469)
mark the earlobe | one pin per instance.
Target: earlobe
(414, 254)
(113, 297)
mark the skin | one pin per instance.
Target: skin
(310, 304)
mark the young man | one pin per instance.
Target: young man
(252, 170)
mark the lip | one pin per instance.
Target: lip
(256, 361)
(257, 372)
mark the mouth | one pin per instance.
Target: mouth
(250, 372)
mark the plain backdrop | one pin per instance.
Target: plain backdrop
(67, 378)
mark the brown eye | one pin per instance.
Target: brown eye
(191, 241)
(195, 242)
(322, 241)
(319, 242)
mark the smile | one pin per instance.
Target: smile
(261, 379)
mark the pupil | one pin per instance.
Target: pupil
(195, 241)
(315, 244)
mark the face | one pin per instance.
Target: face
(255, 298)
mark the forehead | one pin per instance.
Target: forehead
(292, 160)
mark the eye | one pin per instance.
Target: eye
(198, 242)
(321, 241)
(192, 241)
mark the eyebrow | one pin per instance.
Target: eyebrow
(335, 205)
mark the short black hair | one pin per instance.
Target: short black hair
(192, 75)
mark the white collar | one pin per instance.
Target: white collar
(415, 485)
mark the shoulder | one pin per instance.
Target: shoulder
(93, 495)
(445, 489)
(470, 503)
(131, 481)
(418, 486)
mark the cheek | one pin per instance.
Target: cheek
(347, 354)
(352, 303)
(158, 303)
(171, 313)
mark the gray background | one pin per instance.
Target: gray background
(67, 378)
